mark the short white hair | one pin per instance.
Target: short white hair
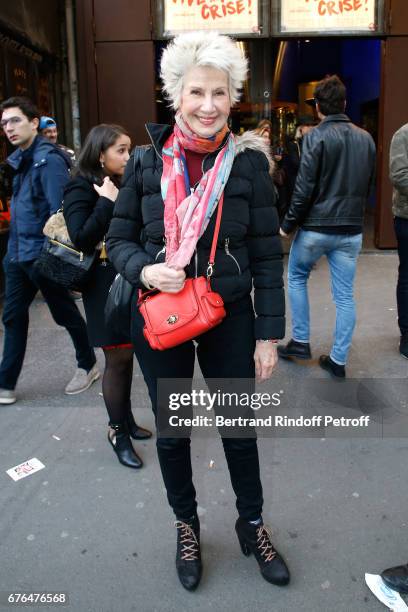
(201, 49)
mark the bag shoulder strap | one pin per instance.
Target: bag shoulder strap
(210, 267)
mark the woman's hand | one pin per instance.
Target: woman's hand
(266, 359)
(107, 189)
(166, 279)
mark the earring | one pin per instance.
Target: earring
(102, 165)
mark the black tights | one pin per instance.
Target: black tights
(117, 383)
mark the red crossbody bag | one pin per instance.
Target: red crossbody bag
(173, 318)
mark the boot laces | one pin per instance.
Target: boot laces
(264, 543)
(188, 542)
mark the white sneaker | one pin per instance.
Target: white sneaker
(7, 396)
(82, 380)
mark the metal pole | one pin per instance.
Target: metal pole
(73, 75)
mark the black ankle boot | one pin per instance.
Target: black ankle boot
(333, 368)
(300, 350)
(118, 437)
(135, 431)
(256, 539)
(188, 556)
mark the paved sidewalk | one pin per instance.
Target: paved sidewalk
(104, 534)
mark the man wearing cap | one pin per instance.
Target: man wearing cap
(336, 175)
(48, 129)
(41, 172)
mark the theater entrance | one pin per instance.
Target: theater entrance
(283, 76)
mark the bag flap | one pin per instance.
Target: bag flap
(166, 312)
(68, 254)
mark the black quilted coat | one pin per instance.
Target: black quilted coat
(249, 253)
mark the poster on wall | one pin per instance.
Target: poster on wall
(227, 16)
(328, 16)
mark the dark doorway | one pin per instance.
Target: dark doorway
(357, 61)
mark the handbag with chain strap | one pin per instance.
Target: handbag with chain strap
(60, 261)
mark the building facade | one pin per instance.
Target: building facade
(32, 63)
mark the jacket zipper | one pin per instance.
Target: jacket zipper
(229, 254)
(163, 250)
(153, 145)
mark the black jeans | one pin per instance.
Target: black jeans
(22, 284)
(224, 352)
(401, 231)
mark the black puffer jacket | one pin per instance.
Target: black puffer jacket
(87, 214)
(249, 248)
(336, 174)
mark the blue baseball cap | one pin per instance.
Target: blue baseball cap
(46, 122)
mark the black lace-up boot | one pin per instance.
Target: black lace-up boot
(118, 436)
(257, 539)
(188, 556)
(135, 431)
(300, 350)
(333, 368)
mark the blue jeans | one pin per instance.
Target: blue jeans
(342, 251)
(22, 284)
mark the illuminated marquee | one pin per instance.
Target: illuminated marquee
(328, 15)
(227, 16)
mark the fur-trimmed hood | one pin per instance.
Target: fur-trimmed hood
(252, 140)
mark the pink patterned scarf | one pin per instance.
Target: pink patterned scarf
(187, 212)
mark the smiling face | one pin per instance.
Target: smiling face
(115, 157)
(205, 101)
(19, 129)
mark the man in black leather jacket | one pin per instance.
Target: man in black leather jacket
(336, 174)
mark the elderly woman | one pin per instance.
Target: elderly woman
(192, 164)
